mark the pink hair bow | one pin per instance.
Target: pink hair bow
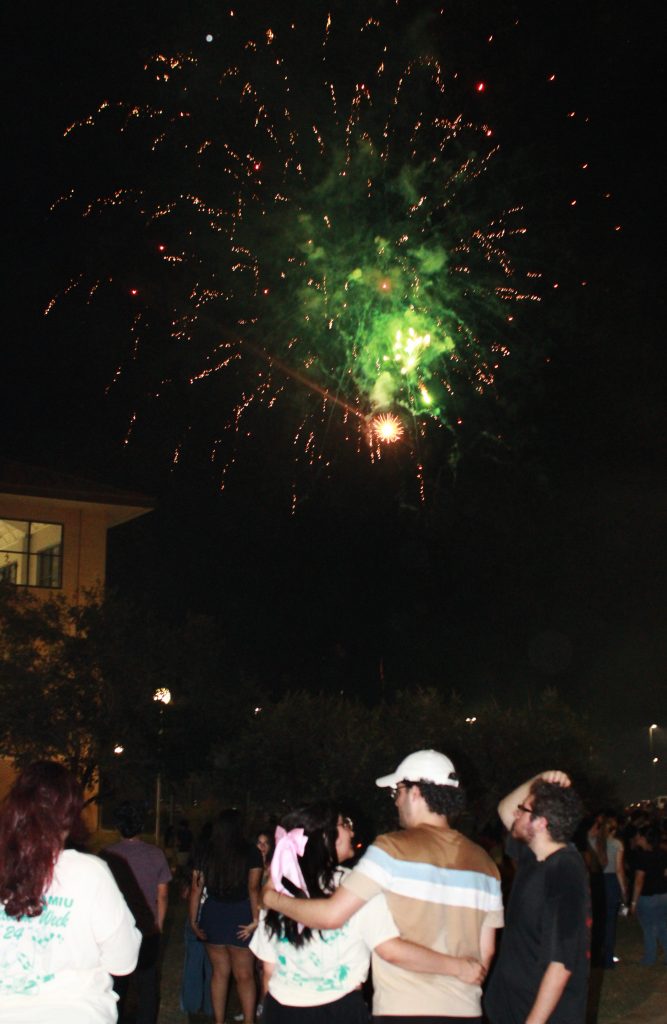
(284, 863)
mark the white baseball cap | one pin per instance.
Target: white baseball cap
(428, 765)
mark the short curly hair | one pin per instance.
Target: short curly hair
(560, 805)
(446, 800)
(130, 818)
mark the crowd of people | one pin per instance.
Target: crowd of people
(414, 931)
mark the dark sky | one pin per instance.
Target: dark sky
(543, 568)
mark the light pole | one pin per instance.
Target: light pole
(163, 696)
(654, 760)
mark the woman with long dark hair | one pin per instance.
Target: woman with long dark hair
(315, 977)
(224, 911)
(264, 843)
(64, 926)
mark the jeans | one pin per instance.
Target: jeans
(197, 971)
(652, 914)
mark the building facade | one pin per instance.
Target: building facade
(53, 537)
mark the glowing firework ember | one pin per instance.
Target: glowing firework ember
(307, 198)
(387, 428)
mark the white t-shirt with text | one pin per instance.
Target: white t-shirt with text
(56, 968)
(333, 963)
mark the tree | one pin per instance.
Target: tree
(305, 746)
(77, 681)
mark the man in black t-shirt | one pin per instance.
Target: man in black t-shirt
(542, 971)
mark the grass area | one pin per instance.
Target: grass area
(626, 987)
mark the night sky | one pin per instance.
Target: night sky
(540, 563)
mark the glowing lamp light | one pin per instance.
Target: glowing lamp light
(209, 38)
(480, 87)
(163, 695)
(119, 748)
(387, 427)
(134, 291)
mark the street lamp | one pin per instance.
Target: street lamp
(162, 696)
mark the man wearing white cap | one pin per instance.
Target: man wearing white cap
(443, 892)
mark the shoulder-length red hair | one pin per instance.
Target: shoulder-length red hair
(41, 809)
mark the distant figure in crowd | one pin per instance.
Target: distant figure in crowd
(649, 897)
(224, 911)
(143, 876)
(442, 890)
(184, 842)
(615, 884)
(315, 976)
(542, 970)
(591, 841)
(197, 970)
(64, 926)
(264, 843)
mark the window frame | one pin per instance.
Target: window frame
(29, 554)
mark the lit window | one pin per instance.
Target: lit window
(31, 553)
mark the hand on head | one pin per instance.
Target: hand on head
(556, 778)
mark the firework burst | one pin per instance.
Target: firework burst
(318, 244)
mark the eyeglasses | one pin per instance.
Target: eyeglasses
(395, 790)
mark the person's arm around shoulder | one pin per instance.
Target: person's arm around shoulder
(552, 986)
(323, 913)
(509, 804)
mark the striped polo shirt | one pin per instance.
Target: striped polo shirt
(442, 889)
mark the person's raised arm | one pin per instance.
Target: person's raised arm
(412, 957)
(323, 913)
(509, 804)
